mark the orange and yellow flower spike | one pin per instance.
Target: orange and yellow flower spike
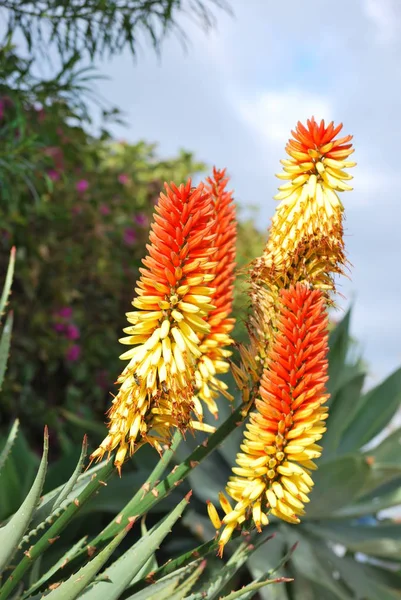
(273, 470)
(214, 344)
(306, 236)
(305, 240)
(173, 301)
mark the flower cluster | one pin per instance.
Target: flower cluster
(305, 240)
(290, 287)
(273, 469)
(214, 344)
(181, 321)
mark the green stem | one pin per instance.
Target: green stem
(98, 479)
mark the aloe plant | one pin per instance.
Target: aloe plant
(348, 548)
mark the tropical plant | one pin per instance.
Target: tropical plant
(178, 355)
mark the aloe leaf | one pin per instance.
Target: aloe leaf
(9, 443)
(150, 565)
(5, 342)
(45, 512)
(377, 408)
(366, 581)
(172, 566)
(338, 349)
(308, 562)
(11, 534)
(76, 584)
(248, 591)
(341, 413)
(386, 496)
(122, 571)
(381, 540)
(165, 587)
(234, 563)
(60, 564)
(337, 483)
(184, 588)
(8, 281)
(42, 544)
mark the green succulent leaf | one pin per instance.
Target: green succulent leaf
(73, 587)
(5, 342)
(12, 532)
(169, 586)
(385, 496)
(338, 350)
(376, 409)
(8, 282)
(248, 591)
(119, 575)
(308, 561)
(228, 570)
(365, 580)
(9, 443)
(48, 507)
(341, 412)
(381, 540)
(59, 564)
(337, 483)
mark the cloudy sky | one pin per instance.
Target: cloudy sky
(234, 96)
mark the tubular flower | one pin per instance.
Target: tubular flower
(273, 470)
(213, 344)
(306, 236)
(173, 300)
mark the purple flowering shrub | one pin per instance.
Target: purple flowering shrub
(79, 247)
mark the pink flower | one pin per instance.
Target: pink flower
(73, 353)
(141, 219)
(65, 312)
(72, 332)
(104, 209)
(129, 236)
(123, 178)
(82, 185)
(59, 327)
(53, 175)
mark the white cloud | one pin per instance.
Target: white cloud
(386, 16)
(273, 114)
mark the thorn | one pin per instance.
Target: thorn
(91, 550)
(146, 487)
(194, 463)
(118, 519)
(187, 497)
(133, 519)
(102, 482)
(52, 540)
(174, 469)
(179, 482)
(76, 502)
(155, 492)
(204, 443)
(54, 586)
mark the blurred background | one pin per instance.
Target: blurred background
(100, 104)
